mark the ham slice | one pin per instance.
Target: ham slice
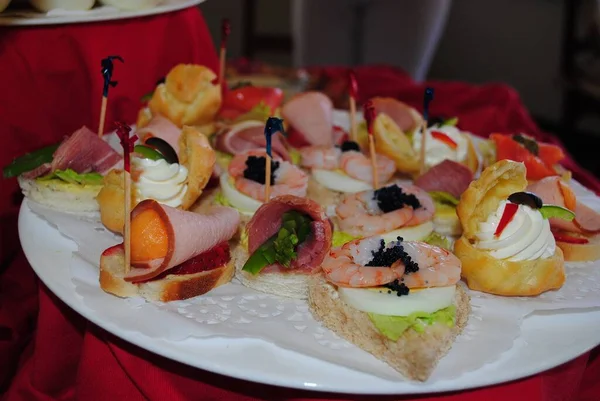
(189, 235)
(406, 117)
(163, 128)
(267, 221)
(311, 117)
(84, 152)
(448, 176)
(249, 135)
(552, 190)
(38, 171)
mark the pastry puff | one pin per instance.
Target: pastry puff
(482, 271)
(187, 97)
(195, 153)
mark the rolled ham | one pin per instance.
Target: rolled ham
(249, 135)
(267, 221)
(189, 235)
(406, 117)
(84, 152)
(311, 117)
(552, 190)
(163, 128)
(448, 176)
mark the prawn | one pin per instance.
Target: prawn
(288, 179)
(437, 266)
(359, 215)
(320, 157)
(358, 165)
(345, 266)
(426, 211)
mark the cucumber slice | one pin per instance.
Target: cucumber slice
(148, 152)
(553, 211)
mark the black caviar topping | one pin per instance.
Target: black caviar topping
(387, 256)
(350, 145)
(255, 169)
(393, 198)
(529, 144)
(397, 287)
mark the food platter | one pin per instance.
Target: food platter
(241, 333)
(105, 13)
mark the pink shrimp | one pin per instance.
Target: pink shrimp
(320, 157)
(358, 165)
(345, 266)
(427, 209)
(359, 215)
(437, 266)
(288, 179)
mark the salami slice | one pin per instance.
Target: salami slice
(311, 117)
(249, 135)
(267, 221)
(163, 128)
(448, 176)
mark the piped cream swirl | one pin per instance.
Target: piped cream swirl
(436, 151)
(526, 237)
(161, 181)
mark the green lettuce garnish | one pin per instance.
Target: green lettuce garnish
(220, 199)
(451, 121)
(438, 240)
(223, 159)
(444, 198)
(339, 238)
(394, 326)
(73, 177)
(261, 112)
(296, 157)
(281, 247)
(29, 161)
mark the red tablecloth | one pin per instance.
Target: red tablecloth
(52, 86)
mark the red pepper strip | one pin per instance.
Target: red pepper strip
(509, 212)
(440, 136)
(570, 240)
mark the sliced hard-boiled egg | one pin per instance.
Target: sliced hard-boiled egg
(242, 202)
(414, 233)
(377, 300)
(337, 181)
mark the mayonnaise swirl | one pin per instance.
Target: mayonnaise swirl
(526, 237)
(161, 181)
(436, 151)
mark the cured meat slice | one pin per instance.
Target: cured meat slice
(448, 176)
(188, 235)
(163, 128)
(249, 135)
(552, 190)
(406, 117)
(38, 171)
(267, 221)
(311, 117)
(84, 152)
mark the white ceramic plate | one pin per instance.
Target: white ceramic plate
(567, 335)
(104, 13)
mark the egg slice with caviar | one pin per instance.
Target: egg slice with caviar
(336, 180)
(383, 301)
(242, 202)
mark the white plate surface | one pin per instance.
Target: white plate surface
(104, 13)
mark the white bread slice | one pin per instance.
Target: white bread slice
(60, 195)
(284, 285)
(171, 288)
(415, 355)
(580, 252)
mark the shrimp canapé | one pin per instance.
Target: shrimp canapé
(386, 209)
(349, 159)
(248, 172)
(369, 262)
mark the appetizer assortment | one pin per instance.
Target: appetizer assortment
(374, 227)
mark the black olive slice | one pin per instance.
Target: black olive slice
(350, 145)
(529, 144)
(164, 148)
(527, 199)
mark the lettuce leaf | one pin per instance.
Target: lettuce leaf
(438, 240)
(339, 238)
(296, 157)
(220, 199)
(73, 177)
(394, 326)
(223, 159)
(444, 197)
(261, 112)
